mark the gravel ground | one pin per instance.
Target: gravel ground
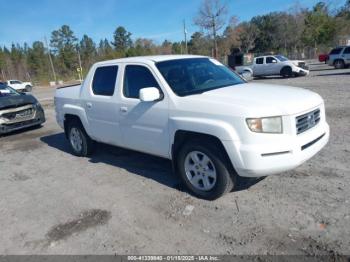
(123, 202)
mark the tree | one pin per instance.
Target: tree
(247, 34)
(122, 40)
(212, 17)
(176, 48)
(38, 63)
(230, 38)
(319, 26)
(166, 48)
(64, 43)
(88, 52)
(141, 47)
(105, 50)
(199, 44)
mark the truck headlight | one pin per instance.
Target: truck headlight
(265, 124)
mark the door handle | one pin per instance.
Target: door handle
(123, 109)
(89, 105)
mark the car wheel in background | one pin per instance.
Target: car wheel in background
(339, 64)
(286, 72)
(204, 169)
(80, 142)
(28, 88)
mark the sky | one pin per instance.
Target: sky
(31, 20)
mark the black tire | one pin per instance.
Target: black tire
(286, 72)
(339, 64)
(28, 88)
(225, 175)
(87, 144)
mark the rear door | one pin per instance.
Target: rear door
(101, 105)
(144, 125)
(346, 55)
(258, 68)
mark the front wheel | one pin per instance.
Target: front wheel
(80, 142)
(28, 88)
(286, 72)
(204, 169)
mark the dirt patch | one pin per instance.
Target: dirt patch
(19, 177)
(25, 146)
(86, 220)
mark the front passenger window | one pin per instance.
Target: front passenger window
(135, 78)
(270, 60)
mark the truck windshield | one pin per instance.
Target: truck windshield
(197, 75)
(7, 91)
(281, 58)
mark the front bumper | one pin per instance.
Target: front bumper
(301, 71)
(38, 119)
(268, 159)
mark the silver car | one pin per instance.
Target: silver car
(339, 57)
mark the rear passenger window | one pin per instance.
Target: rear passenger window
(135, 78)
(104, 80)
(259, 61)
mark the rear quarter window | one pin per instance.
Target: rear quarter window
(103, 83)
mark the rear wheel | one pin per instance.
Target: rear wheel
(339, 64)
(204, 169)
(286, 72)
(80, 142)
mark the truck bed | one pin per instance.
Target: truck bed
(66, 96)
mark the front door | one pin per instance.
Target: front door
(144, 125)
(272, 66)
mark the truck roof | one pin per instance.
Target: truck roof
(155, 59)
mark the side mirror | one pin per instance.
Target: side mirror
(149, 94)
(274, 61)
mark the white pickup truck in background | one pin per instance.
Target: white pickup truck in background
(274, 65)
(196, 112)
(20, 86)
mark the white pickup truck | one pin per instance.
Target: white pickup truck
(196, 112)
(20, 86)
(274, 65)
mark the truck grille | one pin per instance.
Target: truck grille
(20, 114)
(303, 65)
(307, 121)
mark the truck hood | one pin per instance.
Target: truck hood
(16, 101)
(256, 100)
(296, 62)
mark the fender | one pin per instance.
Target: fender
(79, 112)
(217, 128)
(247, 69)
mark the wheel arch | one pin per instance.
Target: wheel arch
(285, 67)
(182, 136)
(339, 59)
(68, 118)
(69, 111)
(247, 69)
